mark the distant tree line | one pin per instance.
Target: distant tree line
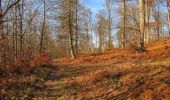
(69, 27)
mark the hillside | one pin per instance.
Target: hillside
(155, 50)
(114, 75)
(85, 49)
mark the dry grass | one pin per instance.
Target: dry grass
(125, 81)
(130, 75)
(114, 75)
(155, 50)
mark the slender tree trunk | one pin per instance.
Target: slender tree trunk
(43, 29)
(110, 25)
(13, 36)
(147, 9)
(16, 33)
(158, 27)
(1, 21)
(100, 43)
(21, 28)
(77, 38)
(1, 18)
(2, 37)
(71, 32)
(168, 8)
(124, 25)
(1, 31)
(142, 22)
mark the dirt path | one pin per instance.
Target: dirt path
(106, 80)
(55, 83)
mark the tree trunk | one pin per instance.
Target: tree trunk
(147, 9)
(110, 25)
(2, 37)
(71, 32)
(43, 29)
(142, 23)
(21, 10)
(124, 25)
(168, 8)
(77, 38)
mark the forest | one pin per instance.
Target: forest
(85, 49)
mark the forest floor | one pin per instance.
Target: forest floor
(115, 75)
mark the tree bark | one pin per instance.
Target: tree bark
(110, 24)
(168, 8)
(21, 11)
(77, 38)
(124, 25)
(142, 23)
(147, 9)
(1, 34)
(71, 32)
(43, 29)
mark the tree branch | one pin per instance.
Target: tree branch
(10, 6)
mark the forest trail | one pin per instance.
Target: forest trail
(105, 80)
(116, 80)
(114, 75)
(84, 49)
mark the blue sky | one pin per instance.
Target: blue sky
(94, 5)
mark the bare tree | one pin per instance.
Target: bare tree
(142, 22)
(43, 28)
(70, 17)
(3, 37)
(109, 8)
(101, 29)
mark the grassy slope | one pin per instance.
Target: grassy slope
(117, 74)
